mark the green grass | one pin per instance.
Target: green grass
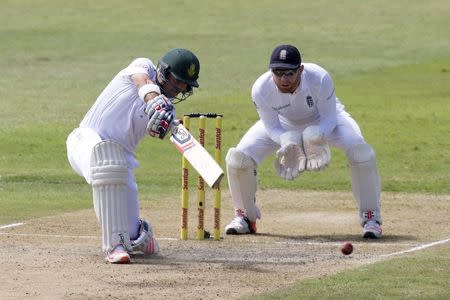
(424, 275)
(390, 62)
(34, 196)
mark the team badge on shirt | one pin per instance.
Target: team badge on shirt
(309, 101)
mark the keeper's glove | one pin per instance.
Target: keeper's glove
(318, 154)
(290, 159)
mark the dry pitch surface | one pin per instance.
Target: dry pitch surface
(299, 236)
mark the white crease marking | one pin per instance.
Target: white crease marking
(414, 249)
(11, 225)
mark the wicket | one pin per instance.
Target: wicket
(200, 235)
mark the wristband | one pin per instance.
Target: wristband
(148, 88)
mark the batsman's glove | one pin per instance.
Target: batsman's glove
(161, 116)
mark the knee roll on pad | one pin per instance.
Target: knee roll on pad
(109, 173)
(360, 153)
(238, 160)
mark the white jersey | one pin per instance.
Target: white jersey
(313, 102)
(118, 113)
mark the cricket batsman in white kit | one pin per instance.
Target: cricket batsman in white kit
(136, 103)
(300, 117)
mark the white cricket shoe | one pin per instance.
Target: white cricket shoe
(118, 255)
(241, 225)
(146, 242)
(372, 230)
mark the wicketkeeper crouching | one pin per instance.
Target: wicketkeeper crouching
(300, 117)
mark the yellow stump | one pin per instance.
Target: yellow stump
(217, 192)
(200, 234)
(184, 190)
(201, 185)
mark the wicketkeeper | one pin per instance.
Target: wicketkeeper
(300, 117)
(136, 103)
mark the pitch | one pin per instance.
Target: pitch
(299, 237)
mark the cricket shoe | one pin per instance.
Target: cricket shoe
(241, 225)
(146, 242)
(372, 230)
(118, 255)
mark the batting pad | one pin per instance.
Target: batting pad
(365, 181)
(109, 182)
(241, 172)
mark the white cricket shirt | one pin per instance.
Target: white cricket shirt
(314, 101)
(118, 113)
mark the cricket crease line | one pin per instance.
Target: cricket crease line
(57, 235)
(177, 239)
(51, 235)
(418, 248)
(414, 249)
(65, 236)
(11, 225)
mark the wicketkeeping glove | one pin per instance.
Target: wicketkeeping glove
(318, 154)
(290, 159)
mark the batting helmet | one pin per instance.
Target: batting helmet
(182, 64)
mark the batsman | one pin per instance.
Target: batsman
(300, 117)
(136, 103)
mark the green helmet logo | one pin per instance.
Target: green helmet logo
(182, 64)
(191, 70)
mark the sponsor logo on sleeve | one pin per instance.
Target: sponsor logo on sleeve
(309, 101)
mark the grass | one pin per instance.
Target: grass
(417, 276)
(390, 62)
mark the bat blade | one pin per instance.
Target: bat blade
(197, 155)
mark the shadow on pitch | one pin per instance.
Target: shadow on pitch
(340, 237)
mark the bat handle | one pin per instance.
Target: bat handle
(174, 126)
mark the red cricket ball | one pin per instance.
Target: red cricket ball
(347, 248)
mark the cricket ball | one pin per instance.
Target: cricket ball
(347, 248)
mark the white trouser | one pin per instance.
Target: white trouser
(80, 143)
(257, 144)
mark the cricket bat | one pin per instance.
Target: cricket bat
(197, 155)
